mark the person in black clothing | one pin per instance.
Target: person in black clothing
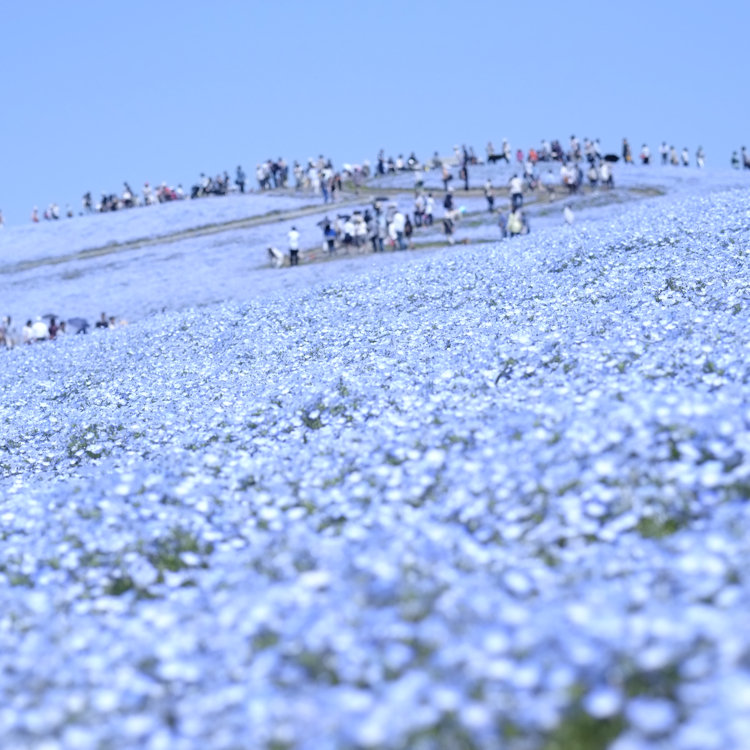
(408, 230)
(448, 201)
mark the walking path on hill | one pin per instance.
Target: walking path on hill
(183, 234)
(535, 204)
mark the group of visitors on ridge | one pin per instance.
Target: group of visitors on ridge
(321, 178)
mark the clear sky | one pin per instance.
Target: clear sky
(98, 92)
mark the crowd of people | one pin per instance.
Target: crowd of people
(582, 160)
(48, 328)
(745, 159)
(318, 177)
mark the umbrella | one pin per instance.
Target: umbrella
(381, 198)
(49, 316)
(611, 157)
(343, 216)
(78, 325)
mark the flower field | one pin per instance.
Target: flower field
(489, 496)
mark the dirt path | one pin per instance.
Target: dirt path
(201, 231)
(363, 195)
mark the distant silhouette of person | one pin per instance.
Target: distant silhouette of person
(239, 179)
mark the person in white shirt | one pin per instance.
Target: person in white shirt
(429, 209)
(27, 333)
(360, 233)
(489, 195)
(418, 209)
(39, 330)
(516, 191)
(565, 175)
(399, 224)
(293, 236)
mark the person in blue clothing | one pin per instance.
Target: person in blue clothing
(239, 179)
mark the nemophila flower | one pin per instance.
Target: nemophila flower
(484, 493)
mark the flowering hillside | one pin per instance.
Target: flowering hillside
(486, 496)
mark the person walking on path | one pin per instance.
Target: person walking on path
(293, 236)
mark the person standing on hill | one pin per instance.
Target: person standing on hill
(293, 236)
(502, 224)
(489, 194)
(685, 157)
(516, 191)
(399, 227)
(605, 175)
(381, 231)
(700, 157)
(627, 155)
(664, 152)
(516, 224)
(418, 210)
(745, 159)
(429, 210)
(408, 230)
(645, 154)
(239, 179)
(446, 176)
(465, 169)
(448, 200)
(449, 225)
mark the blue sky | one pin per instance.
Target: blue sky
(95, 93)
